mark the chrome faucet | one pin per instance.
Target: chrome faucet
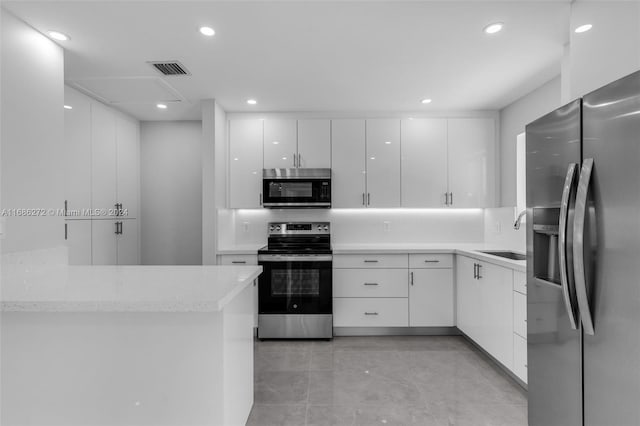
(516, 225)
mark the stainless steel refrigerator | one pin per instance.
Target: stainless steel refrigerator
(583, 260)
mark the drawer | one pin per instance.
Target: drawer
(431, 260)
(370, 283)
(520, 282)
(370, 312)
(520, 314)
(238, 259)
(371, 261)
(520, 357)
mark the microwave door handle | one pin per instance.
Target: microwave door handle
(565, 279)
(578, 246)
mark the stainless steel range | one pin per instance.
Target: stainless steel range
(295, 298)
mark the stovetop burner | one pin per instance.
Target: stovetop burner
(298, 237)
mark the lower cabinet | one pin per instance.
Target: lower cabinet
(239, 260)
(114, 242)
(370, 312)
(520, 325)
(485, 306)
(102, 242)
(520, 357)
(431, 290)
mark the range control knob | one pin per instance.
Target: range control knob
(271, 228)
(295, 306)
(277, 228)
(326, 227)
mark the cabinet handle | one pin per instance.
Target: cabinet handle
(117, 228)
(431, 261)
(451, 198)
(65, 210)
(475, 271)
(294, 160)
(479, 266)
(66, 229)
(117, 206)
(411, 274)
(299, 160)
(446, 198)
(363, 201)
(371, 313)
(368, 198)
(370, 283)
(370, 261)
(239, 261)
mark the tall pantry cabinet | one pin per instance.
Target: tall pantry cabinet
(102, 157)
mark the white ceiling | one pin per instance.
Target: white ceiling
(308, 55)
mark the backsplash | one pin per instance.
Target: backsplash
(498, 229)
(358, 226)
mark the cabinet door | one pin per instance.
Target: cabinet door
(431, 298)
(77, 158)
(103, 242)
(383, 163)
(348, 163)
(314, 143)
(280, 144)
(127, 242)
(128, 160)
(245, 163)
(103, 157)
(78, 233)
(424, 162)
(370, 312)
(471, 162)
(469, 309)
(496, 284)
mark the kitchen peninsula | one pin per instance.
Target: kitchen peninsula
(122, 345)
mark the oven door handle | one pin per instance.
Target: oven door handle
(294, 258)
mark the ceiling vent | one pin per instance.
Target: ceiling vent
(170, 68)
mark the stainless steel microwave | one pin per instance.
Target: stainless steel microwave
(296, 188)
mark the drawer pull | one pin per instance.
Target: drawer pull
(371, 313)
(239, 261)
(526, 366)
(431, 261)
(370, 283)
(370, 261)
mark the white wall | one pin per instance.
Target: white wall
(171, 192)
(498, 229)
(32, 136)
(513, 119)
(359, 226)
(609, 51)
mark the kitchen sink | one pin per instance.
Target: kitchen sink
(506, 254)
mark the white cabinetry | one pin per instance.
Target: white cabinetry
(280, 144)
(314, 143)
(348, 166)
(245, 163)
(431, 291)
(520, 325)
(102, 161)
(424, 162)
(471, 162)
(77, 139)
(485, 306)
(241, 260)
(383, 163)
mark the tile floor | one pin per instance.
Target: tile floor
(416, 380)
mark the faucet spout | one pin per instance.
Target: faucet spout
(518, 221)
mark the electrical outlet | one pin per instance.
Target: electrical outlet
(498, 227)
(245, 226)
(386, 225)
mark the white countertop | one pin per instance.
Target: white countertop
(62, 288)
(241, 249)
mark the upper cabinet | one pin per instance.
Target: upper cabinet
(471, 163)
(348, 163)
(245, 163)
(77, 143)
(128, 160)
(280, 144)
(314, 143)
(383, 163)
(297, 144)
(424, 162)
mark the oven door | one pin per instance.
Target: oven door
(296, 193)
(292, 284)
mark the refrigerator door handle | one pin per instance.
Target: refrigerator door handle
(562, 245)
(578, 246)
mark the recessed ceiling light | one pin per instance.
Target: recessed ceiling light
(493, 28)
(276, 142)
(68, 107)
(387, 142)
(426, 101)
(208, 31)
(252, 101)
(162, 106)
(583, 28)
(57, 35)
